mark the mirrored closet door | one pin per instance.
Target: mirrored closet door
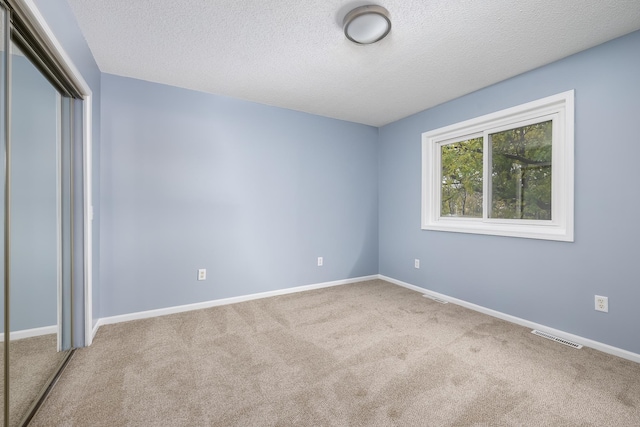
(35, 232)
(38, 130)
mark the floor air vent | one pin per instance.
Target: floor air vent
(556, 339)
(441, 301)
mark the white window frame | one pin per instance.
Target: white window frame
(560, 109)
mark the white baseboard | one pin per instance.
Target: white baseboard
(214, 303)
(30, 333)
(605, 348)
(94, 331)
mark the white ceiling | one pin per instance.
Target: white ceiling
(293, 54)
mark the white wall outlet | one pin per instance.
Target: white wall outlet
(202, 274)
(602, 303)
(416, 263)
(320, 261)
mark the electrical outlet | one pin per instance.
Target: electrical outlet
(416, 263)
(202, 274)
(602, 304)
(320, 261)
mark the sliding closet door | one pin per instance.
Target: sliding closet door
(42, 212)
(36, 233)
(4, 324)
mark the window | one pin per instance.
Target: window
(508, 173)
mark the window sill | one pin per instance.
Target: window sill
(545, 231)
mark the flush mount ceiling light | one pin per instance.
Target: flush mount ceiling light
(367, 24)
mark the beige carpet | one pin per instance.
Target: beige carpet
(366, 354)
(33, 362)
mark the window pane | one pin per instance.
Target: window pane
(521, 172)
(462, 179)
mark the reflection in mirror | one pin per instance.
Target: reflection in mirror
(35, 234)
(3, 75)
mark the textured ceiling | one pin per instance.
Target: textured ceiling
(293, 54)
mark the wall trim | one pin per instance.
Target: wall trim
(94, 331)
(224, 301)
(596, 345)
(30, 333)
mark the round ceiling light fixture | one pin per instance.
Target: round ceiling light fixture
(367, 24)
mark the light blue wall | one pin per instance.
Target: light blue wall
(551, 283)
(62, 22)
(252, 193)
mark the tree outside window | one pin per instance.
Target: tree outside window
(508, 173)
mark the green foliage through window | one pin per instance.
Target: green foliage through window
(462, 179)
(520, 177)
(521, 172)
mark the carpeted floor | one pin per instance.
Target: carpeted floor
(365, 354)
